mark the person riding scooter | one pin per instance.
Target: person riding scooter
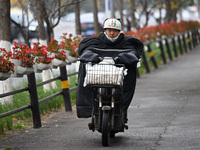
(123, 49)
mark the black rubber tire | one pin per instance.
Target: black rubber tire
(112, 134)
(106, 128)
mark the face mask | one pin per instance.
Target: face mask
(112, 39)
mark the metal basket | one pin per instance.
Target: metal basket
(104, 74)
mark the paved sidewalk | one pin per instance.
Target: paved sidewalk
(164, 115)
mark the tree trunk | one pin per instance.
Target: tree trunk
(48, 20)
(145, 10)
(160, 12)
(168, 11)
(198, 5)
(5, 20)
(5, 86)
(180, 14)
(49, 27)
(133, 19)
(112, 8)
(46, 74)
(77, 17)
(174, 17)
(40, 18)
(95, 13)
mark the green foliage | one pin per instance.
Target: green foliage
(7, 148)
(18, 126)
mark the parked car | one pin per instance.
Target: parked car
(87, 22)
(87, 28)
(15, 31)
(16, 34)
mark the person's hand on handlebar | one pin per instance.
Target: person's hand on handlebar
(90, 56)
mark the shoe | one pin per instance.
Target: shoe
(126, 127)
(125, 116)
(90, 125)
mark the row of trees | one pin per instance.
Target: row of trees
(147, 8)
(53, 10)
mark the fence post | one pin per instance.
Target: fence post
(65, 88)
(174, 47)
(193, 39)
(152, 56)
(34, 100)
(145, 63)
(184, 43)
(195, 35)
(189, 40)
(168, 49)
(179, 43)
(198, 36)
(162, 51)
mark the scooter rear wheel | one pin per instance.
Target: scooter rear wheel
(112, 134)
(106, 128)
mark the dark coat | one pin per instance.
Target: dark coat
(127, 49)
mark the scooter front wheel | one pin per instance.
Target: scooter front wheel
(106, 128)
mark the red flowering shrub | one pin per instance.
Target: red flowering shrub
(53, 46)
(5, 65)
(71, 44)
(42, 53)
(129, 33)
(60, 55)
(140, 34)
(23, 53)
(166, 29)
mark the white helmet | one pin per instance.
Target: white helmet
(112, 24)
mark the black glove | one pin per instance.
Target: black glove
(126, 58)
(90, 56)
